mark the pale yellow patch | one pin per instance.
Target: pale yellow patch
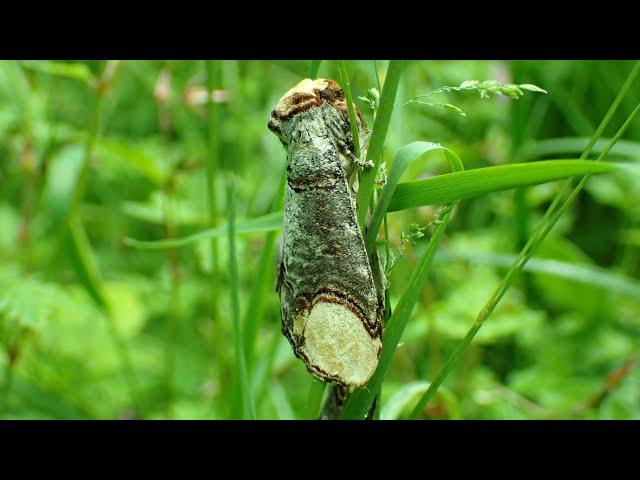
(298, 325)
(336, 342)
(306, 86)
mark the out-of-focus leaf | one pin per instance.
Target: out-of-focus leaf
(404, 399)
(570, 145)
(77, 71)
(62, 176)
(137, 157)
(265, 223)
(584, 273)
(154, 210)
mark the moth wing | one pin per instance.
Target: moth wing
(280, 274)
(340, 131)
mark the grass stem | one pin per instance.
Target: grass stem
(242, 379)
(378, 136)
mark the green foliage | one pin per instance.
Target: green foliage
(95, 324)
(485, 88)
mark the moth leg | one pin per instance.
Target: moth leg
(340, 132)
(361, 163)
(382, 175)
(347, 150)
(365, 142)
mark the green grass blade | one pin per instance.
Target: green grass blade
(407, 395)
(405, 156)
(262, 283)
(264, 223)
(314, 68)
(264, 365)
(243, 389)
(480, 181)
(51, 403)
(213, 77)
(76, 71)
(378, 136)
(346, 86)
(86, 268)
(570, 145)
(314, 399)
(433, 191)
(589, 274)
(84, 262)
(359, 402)
(631, 237)
(280, 401)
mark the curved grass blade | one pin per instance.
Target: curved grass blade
(405, 156)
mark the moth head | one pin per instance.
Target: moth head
(305, 95)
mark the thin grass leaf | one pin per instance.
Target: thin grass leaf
(569, 145)
(631, 236)
(314, 398)
(264, 365)
(213, 75)
(14, 81)
(407, 395)
(262, 282)
(433, 191)
(85, 264)
(480, 181)
(243, 389)
(134, 157)
(280, 401)
(47, 402)
(86, 268)
(378, 136)
(76, 71)
(589, 274)
(359, 403)
(264, 223)
(314, 68)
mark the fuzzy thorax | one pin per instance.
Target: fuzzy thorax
(308, 94)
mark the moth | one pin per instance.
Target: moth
(330, 301)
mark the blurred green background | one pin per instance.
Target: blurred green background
(91, 327)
